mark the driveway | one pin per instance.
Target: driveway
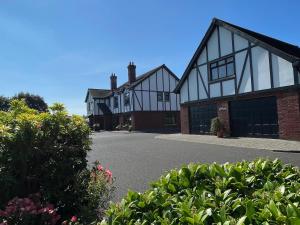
(136, 159)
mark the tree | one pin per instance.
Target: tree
(4, 103)
(33, 101)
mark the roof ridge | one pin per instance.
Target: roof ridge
(265, 35)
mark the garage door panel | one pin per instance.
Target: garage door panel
(200, 118)
(254, 118)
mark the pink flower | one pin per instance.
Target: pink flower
(100, 168)
(73, 219)
(108, 173)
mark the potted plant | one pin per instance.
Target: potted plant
(217, 127)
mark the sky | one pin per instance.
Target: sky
(59, 49)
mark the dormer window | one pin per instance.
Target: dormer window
(222, 69)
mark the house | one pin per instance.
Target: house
(247, 79)
(146, 102)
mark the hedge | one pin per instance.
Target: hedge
(258, 192)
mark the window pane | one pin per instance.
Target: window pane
(213, 65)
(222, 71)
(230, 69)
(159, 96)
(214, 74)
(222, 62)
(230, 59)
(167, 97)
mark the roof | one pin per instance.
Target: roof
(288, 51)
(144, 76)
(97, 93)
(104, 93)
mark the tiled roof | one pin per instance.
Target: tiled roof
(98, 93)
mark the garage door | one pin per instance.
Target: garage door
(200, 118)
(254, 118)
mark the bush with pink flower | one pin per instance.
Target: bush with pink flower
(27, 211)
(46, 153)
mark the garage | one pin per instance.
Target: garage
(200, 118)
(254, 118)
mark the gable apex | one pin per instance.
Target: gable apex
(285, 50)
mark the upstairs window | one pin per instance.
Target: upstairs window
(126, 98)
(167, 96)
(160, 96)
(222, 69)
(116, 102)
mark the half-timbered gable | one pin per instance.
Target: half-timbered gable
(241, 76)
(151, 92)
(155, 91)
(232, 61)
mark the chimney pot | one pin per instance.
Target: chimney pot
(131, 72)
(113, 82)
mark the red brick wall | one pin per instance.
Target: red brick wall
(223, 114)
(288, 107)
(93, 119)
(152, 120)
(184, 119)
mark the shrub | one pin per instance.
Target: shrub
(28, 211)
(46, 152)
(100, 191)
(32, 101)
(259, 192)
(216, 126)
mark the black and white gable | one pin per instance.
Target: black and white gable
(232, 60)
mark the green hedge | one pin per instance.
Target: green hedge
(258, 192)
(45, 153)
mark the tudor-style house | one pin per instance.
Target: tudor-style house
(146, 102)
(249, 80)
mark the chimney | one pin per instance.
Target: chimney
(131, 72)
(113, 81)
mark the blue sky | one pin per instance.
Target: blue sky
(58, 49)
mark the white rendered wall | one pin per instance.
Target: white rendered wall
(283, 74)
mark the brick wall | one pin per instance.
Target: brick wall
(152, 120)
(223, 114)
(288, 107)
(184, 119)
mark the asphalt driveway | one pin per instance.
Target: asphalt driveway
(136, 159)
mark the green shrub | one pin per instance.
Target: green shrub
(216, 125)
(46, 153)
(28, 211)
(259, 192)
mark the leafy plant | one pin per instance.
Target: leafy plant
(46, 152)
(32, 101)
(258, 192)
(28, 211)
(216, 125)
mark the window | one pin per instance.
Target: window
(160, 96)
(167, 96)
(116, 102)
(222, 69)
(126, 98)
(170, 119)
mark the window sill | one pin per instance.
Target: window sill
(221, 79)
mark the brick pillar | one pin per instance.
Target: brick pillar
(223, 114)
(288, 108)
(184, 118)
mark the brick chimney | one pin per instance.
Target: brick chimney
(113, 81)
(131, 72)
